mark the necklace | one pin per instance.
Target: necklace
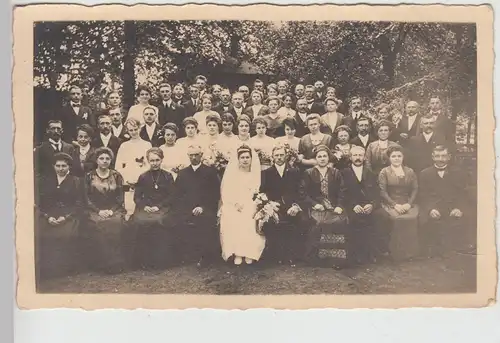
(155, 182)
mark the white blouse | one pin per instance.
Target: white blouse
(131, 159)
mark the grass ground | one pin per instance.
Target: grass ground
(454, 273)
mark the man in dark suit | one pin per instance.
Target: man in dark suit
(178, 94)
(319, 94)
(44, 153)
(444, 125)
(361, 199)
(237, 108)
(169, 111)
(246, 96)
(151, 131)
(354, 114)
(105, 137)
(281, 183)
(193, 104)
(313, 105)
(419, 148)
(197, 190)
(443, 206)
(300, 118)
(409, 126)
(224, 105)
(364, 136)
(117, 123)
(75, 114)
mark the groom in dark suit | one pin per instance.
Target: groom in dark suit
(75, 114)
(361, 201)
(197, 194)
(281, 183)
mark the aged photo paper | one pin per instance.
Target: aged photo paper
(258, 156)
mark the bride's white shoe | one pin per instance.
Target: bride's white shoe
(238, 260)
(248, 260)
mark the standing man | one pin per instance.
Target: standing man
(225, 105)
(237, 108)
(193, 104)
(361, 199)
(75, 114)
(354, 114)
(409, 126)
(105, 137)
(364, 136)
(300, 91)
(312, 105)
(169, 111)
(420, 147)
(246, 96)
(281, 183)
(258, 85)
(319, 94)
(197, 190)
(444, 125)
(151, 131)
(178, 94)
(300, 118)
(201, 83)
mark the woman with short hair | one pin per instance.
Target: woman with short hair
(315, 138)
(174, 159)
(201, 116)
(376, 152)
(143, 95)
(262, 143)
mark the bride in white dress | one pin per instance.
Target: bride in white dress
(237, 227)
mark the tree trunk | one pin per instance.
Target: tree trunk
(390, 54)
(130, 30)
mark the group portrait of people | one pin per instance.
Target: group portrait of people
(175, 181)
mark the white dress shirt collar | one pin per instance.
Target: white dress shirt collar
(150, 130)
(280, 169)
(411, 121)
(195, 167)
(84, 149)
(427, 136)
(117, 130)
(358, 171)
(364, 139)
(105, 139)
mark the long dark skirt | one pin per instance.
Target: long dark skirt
(111, 240)
(57, 251)
(153, 241)
(362, 238)
(326, 240)
(401, 239)
(285, 240)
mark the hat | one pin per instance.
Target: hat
(322, 147)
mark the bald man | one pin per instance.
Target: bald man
(197, 194)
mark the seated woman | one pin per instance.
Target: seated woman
(84, 150)
(342, 150)
(58, 206)
(174, 158)
(273, 119)
(324, 191)
(153, 198)
(262, 143)
(307, 157)
(399, 212)
(106, 211)
(376, 152)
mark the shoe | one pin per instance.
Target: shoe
(248, 260)
(238, 260)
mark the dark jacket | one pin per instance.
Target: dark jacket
(63, 201)
(170, 114)
(157, 139)
(43, 158)
(71, 120)
(146, 194)
(311, 186)
(362, 192)
(419, 151)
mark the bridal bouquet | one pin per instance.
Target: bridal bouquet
(265, 158)
(266, 210)
(221, 161)
(291, 154)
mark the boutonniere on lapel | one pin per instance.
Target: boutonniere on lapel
(85, 115)
(126, 135)
(140, 161)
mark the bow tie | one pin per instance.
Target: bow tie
(75, 104)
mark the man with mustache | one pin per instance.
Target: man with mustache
(361, 200)
(106, 137)
(356, 112)
(444, 125)
(44, 153)
(442, 205)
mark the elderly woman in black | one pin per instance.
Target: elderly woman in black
(106, 210)
(153, 199)
(58, 205)
(324, 189)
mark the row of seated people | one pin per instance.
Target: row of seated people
(327, 215)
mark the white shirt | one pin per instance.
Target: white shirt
(150, 129)
(364, 139)
(358, 171)
(76, 107)
(167, 103)
(56, 145)
(356, 115)
(195, 168)
(427, 136)
(238, 111)
(303, 116)
(84, 149)
(411, 121)
(256, 109)
(441, 173)
(117, 130)
(281, 169)
(105, 139)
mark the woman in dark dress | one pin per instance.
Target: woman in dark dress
(153, 200)
(324, 189)
(105, 211)
(399, 213)
(376, 152)
(310, 141)
(342, 150)
(58, 205)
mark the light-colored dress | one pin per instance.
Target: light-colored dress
(266, 145)
(173, 158)
(225, 143)
(201, 118)
(238, 232)
(292, 141)
(137, 112)
(286, 112)
(209, 146)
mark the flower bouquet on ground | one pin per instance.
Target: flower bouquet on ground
(292, 155)
(266, 210)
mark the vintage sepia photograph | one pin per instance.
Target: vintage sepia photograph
(250, 157)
